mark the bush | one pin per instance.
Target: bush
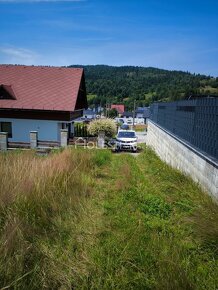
(112, 113)
(107, 126)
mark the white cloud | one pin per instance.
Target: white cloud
(16, 55)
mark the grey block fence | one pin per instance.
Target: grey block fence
(195, 121)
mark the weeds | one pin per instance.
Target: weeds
(81, 219)
(205, 221)
(37, 196)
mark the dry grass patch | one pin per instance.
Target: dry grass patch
(38, 197)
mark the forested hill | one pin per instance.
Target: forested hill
(145, 84)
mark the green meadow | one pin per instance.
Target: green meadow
(91, 219)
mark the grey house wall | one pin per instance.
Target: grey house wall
(184, 157)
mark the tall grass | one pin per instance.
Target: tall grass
(40, 200)
(146, 235)
(205, 221)
(87, 219)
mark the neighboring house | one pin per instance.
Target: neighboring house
(128, 119)
(127, 115)
(43, 99)
(141, 115)
(89, 114)
(140, 112)
(120, 109)
(143, 112)
(98, 109)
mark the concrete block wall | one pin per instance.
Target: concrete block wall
(3, 141)
(33, 139)
(182, 156)
(64, 137)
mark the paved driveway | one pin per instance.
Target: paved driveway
(141, 140)
(141, 137)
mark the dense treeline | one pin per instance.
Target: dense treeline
(124, 84)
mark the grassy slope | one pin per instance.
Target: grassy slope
(111, 222)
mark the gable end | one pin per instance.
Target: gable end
(81, 102)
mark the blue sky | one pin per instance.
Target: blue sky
(170, 34)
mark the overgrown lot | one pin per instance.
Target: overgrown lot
(85, 219)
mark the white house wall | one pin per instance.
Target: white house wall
(129, 120)
(47, 130)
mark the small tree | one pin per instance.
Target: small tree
(112, 113)
(107, 126)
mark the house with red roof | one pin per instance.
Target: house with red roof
(120, 108)
(42, 99)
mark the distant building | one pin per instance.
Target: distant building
(120, 108)
(127, 118)
(143, 112)
(98, 109)
(87, 117)
(127, 115)
(89, 114)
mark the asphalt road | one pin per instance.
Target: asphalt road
(141, 137)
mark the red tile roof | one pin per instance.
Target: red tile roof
(120, 108)
(40, 88)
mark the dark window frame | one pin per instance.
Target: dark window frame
(7, 131)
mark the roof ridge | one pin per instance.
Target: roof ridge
(41, 66)
(37, 86)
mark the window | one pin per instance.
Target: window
(63, 126)
(6, 93)
(126, 134)
(6, 127)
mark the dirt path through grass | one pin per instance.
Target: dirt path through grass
(143, 233)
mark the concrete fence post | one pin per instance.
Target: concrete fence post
(33, 139)
(101, 139)
(3, 141)
(64, 137)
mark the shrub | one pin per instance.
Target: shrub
(112, 113)
(107, 126)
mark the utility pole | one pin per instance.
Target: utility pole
(134, 113)
(99, 107)
(106, 109)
